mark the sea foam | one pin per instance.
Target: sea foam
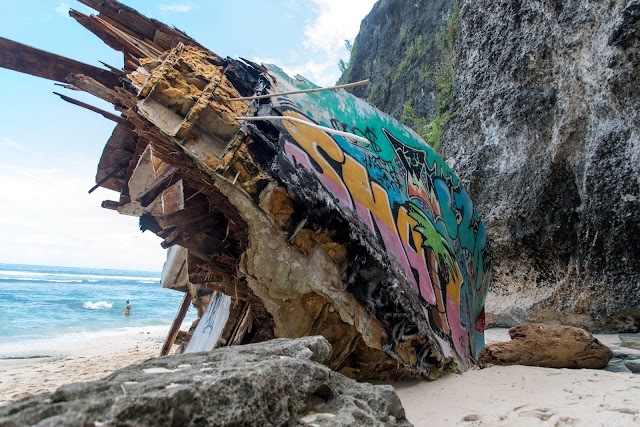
(97, 305)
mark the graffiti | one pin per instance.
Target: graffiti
(408, 197)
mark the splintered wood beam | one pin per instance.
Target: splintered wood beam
(26, 59)
(228, 288)
(108, 176)
(130, 18)
(161, 34)
(177, 322)
(111, 204)
(151, 192)
(92, 25)
(134, 44)
(185, 216)
(242, 327)
(105, 114)
(92, 86)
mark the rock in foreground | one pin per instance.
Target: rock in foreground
(536, 344)
(278, 382)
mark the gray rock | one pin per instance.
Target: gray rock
(546, 141)
(544, 137)
(631, 341)
(278, 382)
(400, 47)
(633, 366)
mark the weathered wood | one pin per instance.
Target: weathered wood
(127, 16)
(93, 87)
(120, 148)
(165, 180)
(243, 326)
(131, 43)
(112, 68)
(211, 324)
(111, 204)
(185, 216)
(94, 26)
(108, 176)
(137, 23)
(232, 289)
(175, 269)
(105, 114)
(177, 322)
(173, 238)
(26, 59)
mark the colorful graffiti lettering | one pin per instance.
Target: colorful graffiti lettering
(407, 196)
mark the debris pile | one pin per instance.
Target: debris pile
(286, 210)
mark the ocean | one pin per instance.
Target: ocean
(42, 303)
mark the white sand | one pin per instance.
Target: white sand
(496, 396)
(525, 396)
(85, 358)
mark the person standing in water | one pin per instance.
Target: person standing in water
(127, 309)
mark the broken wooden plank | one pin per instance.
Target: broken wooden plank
(165, 180)
(188, 215)
(139, 24)
(177, 322)
(175, 270)
(105, 114)
(243, 326)
(26, 59)
(92, 86)
(211, 324)
(108, 176)
(111, 204)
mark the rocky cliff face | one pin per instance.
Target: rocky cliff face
(405, 48)
(544, 132)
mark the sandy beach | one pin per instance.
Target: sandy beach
(81, 359)
(526, 396)
(495, 396)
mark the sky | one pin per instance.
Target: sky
(49, 149)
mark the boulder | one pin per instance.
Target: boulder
(633, 366)
(630, 341)
(278, 382)
(536, 344)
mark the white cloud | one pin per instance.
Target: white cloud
(49, 219)
(11, 144)
(63, 8)
(337, 21)
(324, 42)
(176, 7)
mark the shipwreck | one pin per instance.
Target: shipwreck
(286, 210)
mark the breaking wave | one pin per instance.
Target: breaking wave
(100, 305)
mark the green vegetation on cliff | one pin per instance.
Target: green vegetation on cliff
(443, 79)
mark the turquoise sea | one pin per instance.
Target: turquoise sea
(50, 303)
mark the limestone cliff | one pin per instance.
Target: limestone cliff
(406, 49)
(544, 132)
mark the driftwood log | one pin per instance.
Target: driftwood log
(549, 346)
